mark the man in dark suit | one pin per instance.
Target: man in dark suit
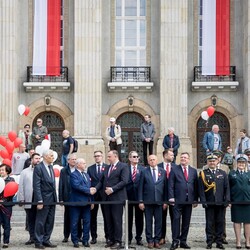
(44, 193)
(113, 188)
(135, 171)
(80, 193)
(95, 171)
(167, 164)
(152, 188)
(214, 187)
(182, 188)
(64, 195)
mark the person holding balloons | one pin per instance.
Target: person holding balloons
(8, 190)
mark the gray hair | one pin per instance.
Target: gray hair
(70, 156)
(47, 152)
(79, 160)
(171, 129)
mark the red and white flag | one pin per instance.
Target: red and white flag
(46, 43)
(216, 37)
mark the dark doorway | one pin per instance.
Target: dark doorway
(55, 125)
(205, 126)
(130, 123)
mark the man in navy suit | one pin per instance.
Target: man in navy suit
(113, 188)
(167, 164)
(95, 171)
(135, 171)
(64, 195)
(152, 188)
(44, 193)
(182, 188)
(80, 192)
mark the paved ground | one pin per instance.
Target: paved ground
(196, 238)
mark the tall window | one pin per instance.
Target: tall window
(200, 34)
(130, 30)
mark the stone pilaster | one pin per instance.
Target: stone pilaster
(8, 64)
(87, 72)
(173, 83)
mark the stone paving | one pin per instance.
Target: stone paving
(196, 238)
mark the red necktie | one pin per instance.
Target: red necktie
(185, 173)
(167, 170)
(134, 174)
(110, 170)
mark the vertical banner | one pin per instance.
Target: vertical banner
(216, 37)
(46, 42)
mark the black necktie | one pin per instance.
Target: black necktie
(50, 171)
(98, 169)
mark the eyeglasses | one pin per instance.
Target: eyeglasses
(135, 156)
(97, 156)
(38, 121)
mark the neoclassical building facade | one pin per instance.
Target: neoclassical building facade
(125, 59)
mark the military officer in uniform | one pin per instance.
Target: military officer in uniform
(214, 187)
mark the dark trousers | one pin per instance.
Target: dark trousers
(78, 213)
(181, 221)
(5, 221)
(66, 224)
(115, 146)
(113, 214)
(164, 221)
(93, 222)
(44, 223)
(31, 219)
(134, 209)
(147, 147)
(153, 211)
(214, 223)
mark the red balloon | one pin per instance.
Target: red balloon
(27, 110)
(3, 141)
(12, 135)
(4, 153)
(17, 142)
(7, 162)
(210, 111)
(10, 147)
(56, 172)
(10, 189)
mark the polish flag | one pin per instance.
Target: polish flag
(216, 37)
(46, 45)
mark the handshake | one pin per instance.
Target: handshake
(92, 190)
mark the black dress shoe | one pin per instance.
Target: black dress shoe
(185, 246)
(76, 245)
(109, 244)
(29, 242)
(49, 244)
(85, 244)
(209, 246)
(224, 241)
(220, 246)
(238, 247)
(65, 240)
(117, 245)
(39, 246)
(93, 241)
(174, 246)
(139, 243)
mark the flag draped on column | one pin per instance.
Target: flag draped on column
(46, 42)
(216, 37)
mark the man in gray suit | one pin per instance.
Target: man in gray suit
(25, 194)
(44, 194)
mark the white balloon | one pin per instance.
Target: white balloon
(55, 155)
(21, 109)
(39, 150)
(45, 144)
(2, 185)
(204, 115)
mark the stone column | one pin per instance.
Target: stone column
(174, 83)
(87, 73)
(8, 64)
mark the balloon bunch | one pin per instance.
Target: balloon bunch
(208, 113)
(23, 110)
(9, 145)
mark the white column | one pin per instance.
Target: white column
(8, 64)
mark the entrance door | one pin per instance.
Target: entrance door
(205, 126)
(130, 123)
(55, 125)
